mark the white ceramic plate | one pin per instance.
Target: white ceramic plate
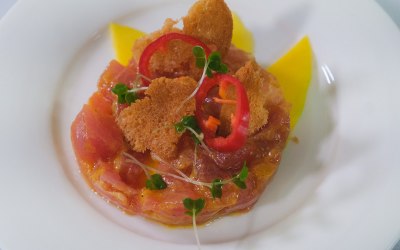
(338, 189)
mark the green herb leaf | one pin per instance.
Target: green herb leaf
(156, 182)
(193, 207)
(223, 68)
(244, 172)
(198, 51)
(209, 73)
(213, 62)
(179, 127)
(119, 89)
(195, 139)
(216, 188)
(200, 55)
(130, 97)
(200, 62)
(121, 99)
(188, 121)
(239, 183)
(240, 179)
(124, 96)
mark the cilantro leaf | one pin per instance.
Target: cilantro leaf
(156, 182)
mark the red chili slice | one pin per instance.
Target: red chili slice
(240, 120)
(159, 44)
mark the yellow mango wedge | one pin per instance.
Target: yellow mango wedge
(293, 71)
(123, 38)
(242, 38)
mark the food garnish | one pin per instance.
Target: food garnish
(126, 95)
(189, 123)
(239, 180)
(156, 182)
(212, 62)
(193, 208)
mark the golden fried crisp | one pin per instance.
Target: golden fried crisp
(144, 41)
(211, 22)
(236, 58)
(258, 83)
(149, 123)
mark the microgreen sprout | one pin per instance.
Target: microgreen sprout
(155, 182)
(190, 123)
(209, 64)
(181, 176)
(185, 122)
(126, 95)
(194, 207)
(240, 178)
(216, 188)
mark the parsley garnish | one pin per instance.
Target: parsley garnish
(156, 182)
(212, 63)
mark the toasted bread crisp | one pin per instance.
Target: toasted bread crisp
(149, 123)
(257, 83)
(211, 22)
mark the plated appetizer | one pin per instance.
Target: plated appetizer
(191, 130)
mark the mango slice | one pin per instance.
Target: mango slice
(242, 38)
(293, 71)
(123, 38)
